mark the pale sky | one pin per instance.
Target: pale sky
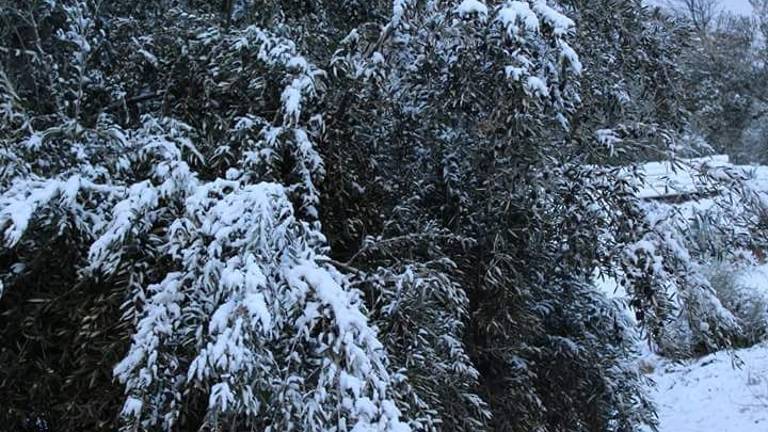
(735, 6)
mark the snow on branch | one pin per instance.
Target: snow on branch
(266, 318)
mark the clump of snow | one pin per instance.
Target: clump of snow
(518, 16)
(536, 86)
(291, 98)
(18, 209)
(516, 12)
(34, 142)
(608, 138)
(141, 198)
(132, 407)
(25, 200)
(515, 73)
(472, 7)
(398, 10)
(571, 58)
(560, 23)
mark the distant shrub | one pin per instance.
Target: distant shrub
(749, 305)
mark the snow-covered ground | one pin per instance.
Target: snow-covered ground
(717, 393)
(722, 392)
(667, 179)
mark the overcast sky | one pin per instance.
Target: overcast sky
(736, 6)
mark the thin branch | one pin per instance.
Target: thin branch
(397, 239)
(341, 265)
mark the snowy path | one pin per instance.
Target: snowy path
(710, 395)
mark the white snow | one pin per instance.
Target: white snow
(517, 11)
(34, 142)
(755, 278)
(666, 178)
(398, 10)
(536, 86)
(307, 274)
(572, 59)
(722, 392)
(472, 7)
(710, 394)
(141, 198)
(514, 72)
(132, 407)
(221, 396)
(291, 99)
(17, 212)
(685, 176)
(560, 23)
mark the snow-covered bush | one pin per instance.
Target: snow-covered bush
(682, 291)
(718, 222)
(748, 303)
(422, 312)
(255, 322)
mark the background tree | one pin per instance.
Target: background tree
(702, 13)
(724, 71)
